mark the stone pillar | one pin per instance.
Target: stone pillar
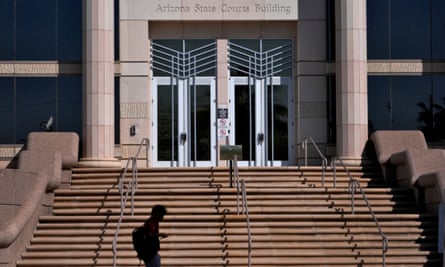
(222, 85)
(98, 84)
(352, 79)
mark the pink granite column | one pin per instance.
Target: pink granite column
(98, 84)
(352, 79)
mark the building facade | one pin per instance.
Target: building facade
(193, 76)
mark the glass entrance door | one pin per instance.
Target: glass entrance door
(184, 97)
(184, 125)
(261, 121)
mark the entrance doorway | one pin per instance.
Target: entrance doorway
(184, 124)
(261, 120)
(184, 127)
(261, 101)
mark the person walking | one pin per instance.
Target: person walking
(152, 226)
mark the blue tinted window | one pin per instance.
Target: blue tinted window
(26, 103)
(41, 29)
(7, 110)
(116, 30)
(401, 103)
(408, 94)
(69, 30)
(69, 104)
(36, 29)
(378, 29)
(438, 134)
(410, 29)
(438, 28)
(406, 29)
(6, 29)
(117, 110)
(379, 103)
(36, 103)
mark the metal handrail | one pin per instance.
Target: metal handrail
(242, 193)
(324, 160)
(246, 212)
(237, 184)
(353, 186)
(131, 188)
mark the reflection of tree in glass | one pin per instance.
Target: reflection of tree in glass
(433, 118)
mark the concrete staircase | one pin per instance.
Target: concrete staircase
(294, 220)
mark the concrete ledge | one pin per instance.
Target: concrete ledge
(67, 143)
(27, 192)
(431, 188)
(411, 164)
(48, 163)
(387, 143)
(23, 199)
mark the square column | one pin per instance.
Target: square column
(352, 79)
(98, 84)
(222, 85)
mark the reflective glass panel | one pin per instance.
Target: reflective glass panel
(69, 104)
(410, 98)
(167, 123)
(245, 120)
(378, 29)
(117, 112)
(6, 29)
(36, 103)
(36, 29)
(399, 103)
(438, 28)
(200, 118)
(406, 29)
(438, 134)
(379, 103)
(410, 29)
(7, 110)
(69, 30)
(278, 122)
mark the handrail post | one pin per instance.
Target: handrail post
(230, 173)
(440, 238)
(234, 171)
(384, 249)
(324, 163)
(352, 189)
(334, 170)
(133, 183)
(304, 146)
(147, 148)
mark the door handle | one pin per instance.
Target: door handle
(182, 138)
(260, 138)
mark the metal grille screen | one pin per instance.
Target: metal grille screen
(184, 59)
(260, 58)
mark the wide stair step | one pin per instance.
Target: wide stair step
(297, 218)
